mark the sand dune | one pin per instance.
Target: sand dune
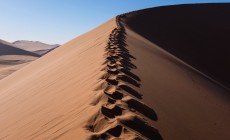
(55, 100)
(43, 52)
(12, 58)
(7, 48)
(113, 83)
(34, 46)
(197, 34)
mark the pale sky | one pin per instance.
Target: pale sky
(58, 21)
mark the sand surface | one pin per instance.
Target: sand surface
(187, 105)
(55, 100)
(113, 83)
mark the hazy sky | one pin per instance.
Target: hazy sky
(58, 21)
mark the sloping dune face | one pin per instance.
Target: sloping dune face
(52, 97)
(112, 83)
(187, 104)
(198, 34)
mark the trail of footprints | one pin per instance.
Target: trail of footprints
(121, 113)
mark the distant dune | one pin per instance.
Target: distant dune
(148, 74)
(34, 46)
(12, 58)
(7, 48)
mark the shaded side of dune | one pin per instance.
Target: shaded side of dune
(43, 52)
(111, 83)
(198, 34)
(9, 50)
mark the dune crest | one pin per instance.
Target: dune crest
(121, 114)
(114, 83)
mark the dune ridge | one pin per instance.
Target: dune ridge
(112, 83)
(122, 113)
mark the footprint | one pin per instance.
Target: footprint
(115, 95)
(112, 71)
(116, 131)
(142, 108)
(131, 91)
(129, 80)
(138, 124)
(111, 101)
(112, 81)
(112, 132)
(117, 104)
(111, 112)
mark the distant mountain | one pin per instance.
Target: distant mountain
(35, 46)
